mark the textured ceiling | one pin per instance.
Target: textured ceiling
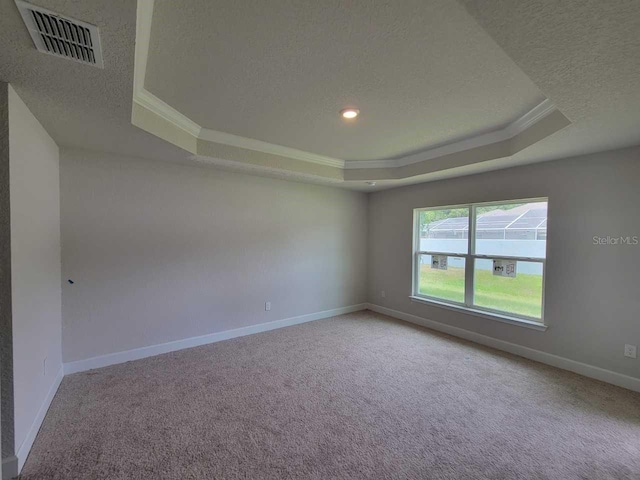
(80, 105)
(422, 73)
(582, 54)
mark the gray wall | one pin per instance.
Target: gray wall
(35, 264)
(592, 294)
(6, 347)
(161, 252)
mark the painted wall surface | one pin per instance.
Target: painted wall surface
(161, 252)
(35, 263)
(592, 304)
(6, 347)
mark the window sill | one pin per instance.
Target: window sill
(519, 322)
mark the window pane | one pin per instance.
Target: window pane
(445, 230)
(520, 295)
(440, 283)
(512, 229)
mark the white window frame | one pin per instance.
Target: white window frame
(469, 267)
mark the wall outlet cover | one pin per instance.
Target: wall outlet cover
(630, 351)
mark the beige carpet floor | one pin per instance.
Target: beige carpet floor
(355, 396)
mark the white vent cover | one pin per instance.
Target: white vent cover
(61, 36)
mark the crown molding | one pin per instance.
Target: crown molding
(529, 119)
(141, 95)
(144, 16)
(265, 147)
(175, 124)
(148, 100)
(154, 104)
(273, 170)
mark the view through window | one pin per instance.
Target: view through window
(487, 257)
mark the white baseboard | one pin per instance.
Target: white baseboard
(25, 448)
(9, 467)
(143, 352)
(598, 373)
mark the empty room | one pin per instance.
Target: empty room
(301, 239)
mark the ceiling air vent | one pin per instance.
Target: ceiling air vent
(61, 36)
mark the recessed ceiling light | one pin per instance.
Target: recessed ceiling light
(349, 113)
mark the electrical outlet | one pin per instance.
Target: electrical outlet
(44, 367)
(630, 351)
(267, 306)
(383, 294)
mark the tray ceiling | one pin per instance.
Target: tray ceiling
(423, 73)
(581, 57)
(262, 83)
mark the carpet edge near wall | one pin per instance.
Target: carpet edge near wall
(591, 371)
(172, 346)
(12, 466)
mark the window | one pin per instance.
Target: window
(486, 257)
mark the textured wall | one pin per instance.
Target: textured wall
(160, 252)
(6, 350)
(592, 305)
(35, 264)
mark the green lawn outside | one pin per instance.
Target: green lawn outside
(521, 295)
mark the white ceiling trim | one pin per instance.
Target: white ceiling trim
(265, 147)
(142, 96)
(148, 100)
(158, 106)
(520, 125)
(532, 117)
(144, 15)
(281, 172)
